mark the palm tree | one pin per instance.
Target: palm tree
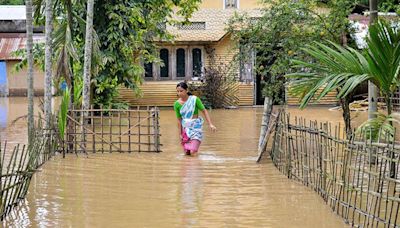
(88, 55)
(48, 63)
(343, 69)
(29, 54)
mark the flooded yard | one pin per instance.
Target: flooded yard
(221, 187)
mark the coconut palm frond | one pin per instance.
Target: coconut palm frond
(384, 55)
(334, 68)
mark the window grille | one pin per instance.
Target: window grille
(231, 4)
(180, 62)
(164, 56)
(193, 26)
(197, 62)
(148, 70)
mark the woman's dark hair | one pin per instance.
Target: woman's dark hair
(184, 86)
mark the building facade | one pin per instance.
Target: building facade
(13, 38)
(197, 45)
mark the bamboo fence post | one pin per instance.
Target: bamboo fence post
(265, 120)
(139, 132)
(120, 133)
(93, 128)
(110, 125)
(148, 129)
(102, 127)
(75, 137)
(156, 130)
(129, 131)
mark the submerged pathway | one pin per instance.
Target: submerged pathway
(222, 187)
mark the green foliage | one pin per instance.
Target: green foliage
(380, 127)
(333, 68)
(38, 57)
(284, 27)
(343, 69)
(385, 5)
(384, 56)
(12, 2)
(78, 88)
(62, 113)
(126, 30)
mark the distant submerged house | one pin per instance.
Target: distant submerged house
(13, 38)
(187, 57)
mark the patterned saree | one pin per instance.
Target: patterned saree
(192, 132)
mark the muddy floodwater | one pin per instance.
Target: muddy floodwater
(221, 187)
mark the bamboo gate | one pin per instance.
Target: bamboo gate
(18, 164)
(113, 130)
(357, 178)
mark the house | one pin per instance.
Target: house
(188, 56)
(13, 38)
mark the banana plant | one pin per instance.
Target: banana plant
(62, 113)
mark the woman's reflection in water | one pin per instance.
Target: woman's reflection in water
(192, 190)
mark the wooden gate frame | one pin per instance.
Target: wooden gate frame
(85, 119)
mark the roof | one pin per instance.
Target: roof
(208, 24)
(12, 12)
(10, 44)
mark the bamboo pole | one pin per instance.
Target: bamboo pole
(102, 128)
(148, 127)
(139, 148)
(92, 113)
(129, 132)
(265, 120)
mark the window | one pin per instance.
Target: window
(196, 62)
(231, 4)
(164, 70)
(148, 70)
(193, 26)
(180, 63)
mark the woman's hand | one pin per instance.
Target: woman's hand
(213, 128)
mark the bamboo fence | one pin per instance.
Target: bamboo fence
(113, 130)
(357, 178)
(17, 165)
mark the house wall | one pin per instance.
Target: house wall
(17, 82)
(224, 51)
(163, 93)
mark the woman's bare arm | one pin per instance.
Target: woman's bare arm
(180, 127)
(208, 119)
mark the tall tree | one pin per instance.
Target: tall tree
(48, 63)
(88, 56)
(127, 31)
(29, 54)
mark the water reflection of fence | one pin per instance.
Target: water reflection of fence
(360, 186)
(114, 130)
(17, 165)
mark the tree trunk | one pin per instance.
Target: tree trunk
(372, 90)
(88, 56)
(48, 64)
(345, 103)
(29, 55)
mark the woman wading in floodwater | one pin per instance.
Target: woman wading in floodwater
(189, 123)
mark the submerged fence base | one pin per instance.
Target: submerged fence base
(357, 178)
(17, 166)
